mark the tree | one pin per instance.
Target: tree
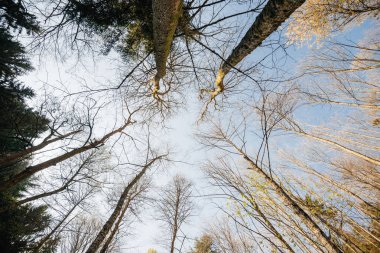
(165, 19)
(106, 234)
(204, 244)
(175, 207)
(318, 19)
(247, 206)
(15, 15)
(221, 139)
(20, 226)
(32, 169)
(272, 16)
(14, 61)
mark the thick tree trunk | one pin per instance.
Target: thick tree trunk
(116, 227)
(272, 16)
(107, 227)
(30, 170)
(165, 19)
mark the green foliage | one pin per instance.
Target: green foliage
(19, 124)
(318, 207)
(124, 25)
(20, 226)
(13, 14)
(13, 60)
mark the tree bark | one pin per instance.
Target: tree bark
(116, 227)
(165, 19)
(14, 157)
(30, 170)
(272, 16)
(343, 148)
(96, 244)
(290, 203)
(175, 225)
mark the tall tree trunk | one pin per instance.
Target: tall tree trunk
(165, 19)
(175, 225)
(290, 203)
(30, 170)
(8, 159)
(267, 221)
(116, 227)
(96, 244)
(272, 16)
(343, 148)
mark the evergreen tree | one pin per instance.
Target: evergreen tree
(20, 226)
(124, 25)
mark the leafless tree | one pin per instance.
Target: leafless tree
(237, 187)
(226, 140)
(106, 234)
(70, 152)
(175, 206)
(82, 233)
(229, 238)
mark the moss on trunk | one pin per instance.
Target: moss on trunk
(166, 14)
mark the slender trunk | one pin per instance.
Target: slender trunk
(48, 236)
(30, 170)
(95, 245)
(272, 16)
(343, 148)
(271, 227)
(334, 183)
(175, 225)
(16, 156)
(290, 203)
(165, 19)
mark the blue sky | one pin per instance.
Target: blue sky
(179, 134)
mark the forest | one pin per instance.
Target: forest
(190, 126)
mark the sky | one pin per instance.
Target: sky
(51, 73)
